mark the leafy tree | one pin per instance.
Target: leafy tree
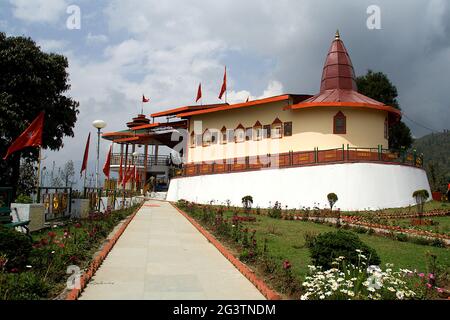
(67, 174)
(247, 202)
(421, 196)
(31, 81)
(27, 179)
(377, 85)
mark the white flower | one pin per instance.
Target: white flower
(391, 289)
(358, 250)
(351, 293)
(321, 297)
(28, 266)
(400, 295)
(305, 296)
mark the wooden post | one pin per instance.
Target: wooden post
(145, 168)
(124, 172)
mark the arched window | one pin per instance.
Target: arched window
(386, 129)
(257, 131)
(206, 138)
(239, 133)
(277, 129)
(223, 135)
(339, 123)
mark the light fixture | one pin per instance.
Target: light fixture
(98, 124)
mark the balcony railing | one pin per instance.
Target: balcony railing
(303, 158)
(163, 160)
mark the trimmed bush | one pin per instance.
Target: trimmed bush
(15, 246)
(331, 245)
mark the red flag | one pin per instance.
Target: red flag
(86, 155)
(137, 177)
(199, 92)
(144, 99)
(31, 137)
(106, 166)
(224, 84)
(128, 174)
(120, 169)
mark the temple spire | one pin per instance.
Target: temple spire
(338, 70)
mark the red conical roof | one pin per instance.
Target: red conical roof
(338, 87)
(338, 70)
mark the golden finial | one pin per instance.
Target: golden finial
(337, 35)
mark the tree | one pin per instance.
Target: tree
(67, 173)
(27, 182)
(421, 196)
(377, 85)
(332, 199)
(247, 202)
(32, 81)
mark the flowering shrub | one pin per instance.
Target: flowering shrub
(348, 281)
(330, 245)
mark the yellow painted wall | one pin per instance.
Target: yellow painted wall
(311, 128)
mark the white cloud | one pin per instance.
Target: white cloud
(38, 10)
(51, 45)
(96, 39)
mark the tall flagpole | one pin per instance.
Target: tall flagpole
(38, 183)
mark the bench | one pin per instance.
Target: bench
(22, 224)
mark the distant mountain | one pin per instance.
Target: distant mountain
(436, 150)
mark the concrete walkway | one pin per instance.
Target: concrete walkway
(162, 256)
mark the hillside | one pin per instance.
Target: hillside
(436, 150)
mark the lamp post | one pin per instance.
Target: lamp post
(98, 124)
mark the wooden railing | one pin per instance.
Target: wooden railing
(139, 160)
(302, 158)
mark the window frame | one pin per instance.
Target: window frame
(192, 142)
(386, 128)
(257, 131)
(239, 134)
(277, 125)
(206, 143)
(287, 133)
(223, 135)
(340, 116)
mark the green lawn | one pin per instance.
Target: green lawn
(286, 240)
(429, 206)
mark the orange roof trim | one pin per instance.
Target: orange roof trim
(127, 139)
(176, 111)
(305, 105)
(236, 106)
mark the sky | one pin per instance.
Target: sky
(118, 50)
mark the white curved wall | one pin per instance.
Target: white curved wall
(357, 185)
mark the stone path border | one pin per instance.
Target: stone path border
(101, 256)
(246, 271)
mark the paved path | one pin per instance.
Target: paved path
(162, 256)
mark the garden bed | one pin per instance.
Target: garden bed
(43, 273)
(268, 245)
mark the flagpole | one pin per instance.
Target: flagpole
(38, 183)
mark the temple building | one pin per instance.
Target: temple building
(291, 148)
